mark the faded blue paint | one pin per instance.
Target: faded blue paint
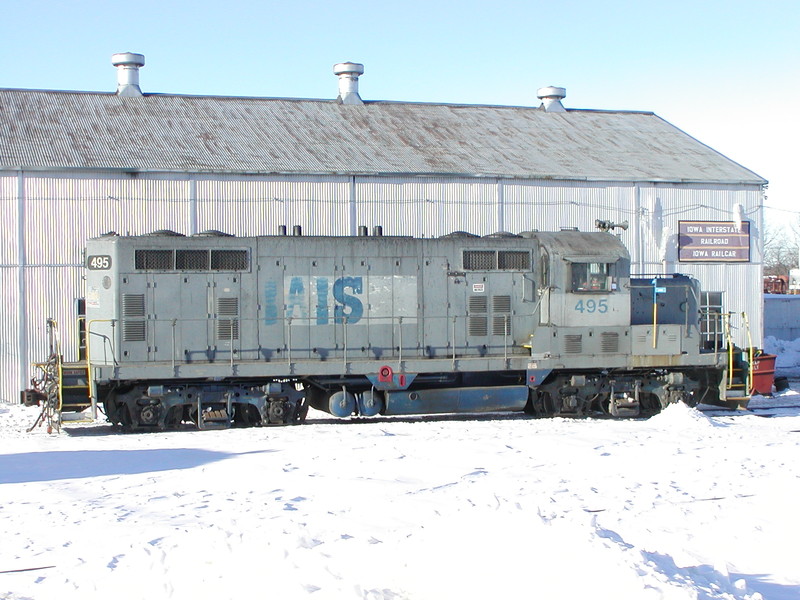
(341, 404)
(296, 297)
(456, 400)
(346, 300)
(322, 301)
(315, 295)
(370, 403)
(270, 303)
(400, 381)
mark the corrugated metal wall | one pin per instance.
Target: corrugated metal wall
(553, 205)
(320, 205)
(782, 317)
(426, 207)
(11, 361)
(61, 211)
(70, 209)
(9, 221)
(663, 205)
(51, 293)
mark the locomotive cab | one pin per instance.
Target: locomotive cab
(592, 348)
(584, 297)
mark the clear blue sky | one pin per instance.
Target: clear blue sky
(726, 72)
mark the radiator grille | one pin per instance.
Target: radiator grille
(478, 304)
(478, 320)
(514, 260)
(154, 259)
(132, 305)
(133, 331)
(229, 260)
(501, 322)
(191, 260)
(478, 326)
(501, 304)
(227, 329)
(609, 342)
(480, 260)
(501, 325)
(573, 344)
(228, 307)
(490, 260)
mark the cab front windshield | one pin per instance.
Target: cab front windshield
(593, 277)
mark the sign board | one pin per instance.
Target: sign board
(713, 241)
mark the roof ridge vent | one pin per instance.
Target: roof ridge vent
(551, 98)
(128, 64)
(348, 73)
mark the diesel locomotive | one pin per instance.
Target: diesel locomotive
(220, 330)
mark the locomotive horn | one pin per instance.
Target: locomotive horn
(608, 225)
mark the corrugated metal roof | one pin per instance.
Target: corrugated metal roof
(80, 130)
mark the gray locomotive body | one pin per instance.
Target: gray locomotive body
(253, 330)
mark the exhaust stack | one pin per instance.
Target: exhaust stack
(128, 64)
(551, 98)
(348, 73)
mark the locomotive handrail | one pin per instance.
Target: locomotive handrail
(544, 291)
(750, 353)
(453, 342)
(159, 329)
(400, 340)
(289, 342)
(105, 338)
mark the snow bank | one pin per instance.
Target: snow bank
(680, 417)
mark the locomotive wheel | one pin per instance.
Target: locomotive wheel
(173, 418)
(301, 411)
(540, 404)
(279, 412)
(125, 419)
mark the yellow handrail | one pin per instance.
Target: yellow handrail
(89, 377)
(750, 355)
(729, 345)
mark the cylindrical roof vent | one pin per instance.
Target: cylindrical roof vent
(128, 64)
(551, 98)
(377, 230)
(362, 231)
(297, 230)
(281, 229)
(348, 73)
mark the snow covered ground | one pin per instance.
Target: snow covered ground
(685, 505)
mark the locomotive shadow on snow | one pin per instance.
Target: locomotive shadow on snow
(30, 467)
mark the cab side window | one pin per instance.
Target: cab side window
(593, 277)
